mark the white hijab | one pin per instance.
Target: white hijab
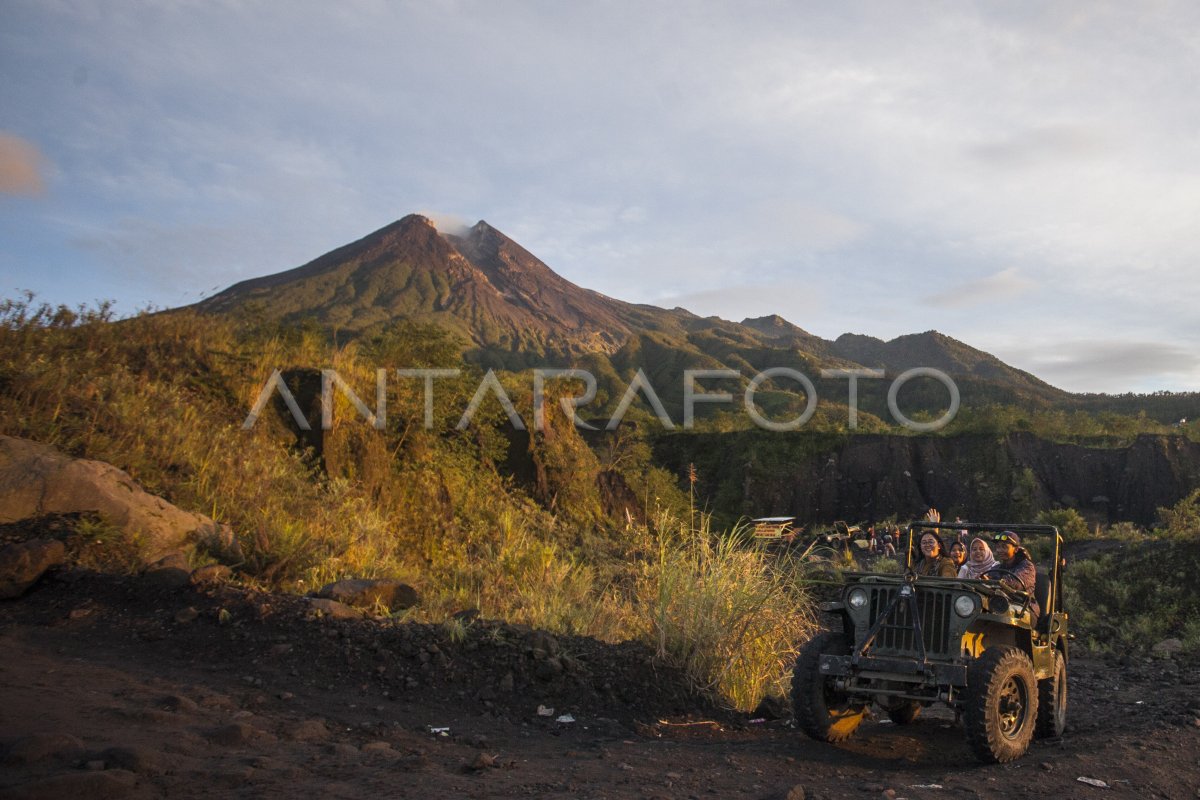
(972, 569)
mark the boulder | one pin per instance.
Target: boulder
(172, 571)
(1167, 648)
(334, 609)
(174, 560)
(23, 563)
(36, 480)
(364, 593)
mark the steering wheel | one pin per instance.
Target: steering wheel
(998, 573)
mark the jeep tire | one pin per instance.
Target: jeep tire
(821, 711)
(1052, 701)
(1000, 705)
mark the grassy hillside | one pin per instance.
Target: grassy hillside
(164, 397)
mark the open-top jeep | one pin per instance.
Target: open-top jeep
(909, 641)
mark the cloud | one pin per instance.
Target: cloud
(1049, 143)
(1004, 285)
(20, 166)
(1109, 365)
(448, 224)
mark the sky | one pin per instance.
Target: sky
(1024, 177)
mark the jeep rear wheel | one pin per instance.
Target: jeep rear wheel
(1052, 701)
(1001, 703)
(821, 711)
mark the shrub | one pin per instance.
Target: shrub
(1182, 519)
(729, 615)
(1128, 600)
(1069, 522)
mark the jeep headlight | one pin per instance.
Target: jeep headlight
(857, 598)
(964, 605)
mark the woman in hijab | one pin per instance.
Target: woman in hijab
(980, 561)
(934, 560)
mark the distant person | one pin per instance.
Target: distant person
(958, 554)
(1014, 567)
(888, 541)
(980, 561)
(935, 561)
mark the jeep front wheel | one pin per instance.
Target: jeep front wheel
(1001, 703)
(821, 711)
(1052, 700)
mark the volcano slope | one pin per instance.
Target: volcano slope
(118, 686)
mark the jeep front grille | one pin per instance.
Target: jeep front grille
(897, 634)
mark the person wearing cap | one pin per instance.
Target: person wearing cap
(1014, 567)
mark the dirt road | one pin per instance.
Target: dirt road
(115, 687)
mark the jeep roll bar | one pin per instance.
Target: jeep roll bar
(1053, 601)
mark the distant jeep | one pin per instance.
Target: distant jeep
(907, 642)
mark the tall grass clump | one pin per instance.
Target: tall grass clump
(729, 615)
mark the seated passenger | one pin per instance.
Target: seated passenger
(1014, 567)
(958, 554)
(981, 561)
(934, 561)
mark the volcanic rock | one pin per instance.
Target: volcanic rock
(370, 593)
(36, 480)
(333, 609)
(23, 563)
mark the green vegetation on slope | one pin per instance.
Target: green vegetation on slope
(570, 549)
(1129, 598)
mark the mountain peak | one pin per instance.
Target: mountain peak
(473, 279)
(774, 325)
(408, 222)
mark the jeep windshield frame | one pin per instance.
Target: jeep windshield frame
(1054, 600)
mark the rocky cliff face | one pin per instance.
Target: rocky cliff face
(822, 478)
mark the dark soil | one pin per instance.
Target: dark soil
(253, 696)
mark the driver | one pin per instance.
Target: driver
(1014, 567)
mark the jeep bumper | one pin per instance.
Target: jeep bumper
(909, 670)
